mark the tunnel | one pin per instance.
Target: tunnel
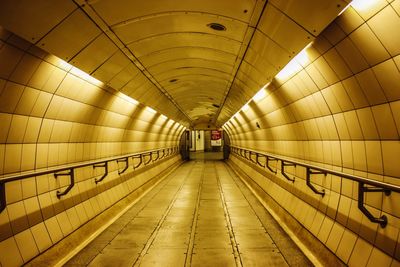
(199, 133)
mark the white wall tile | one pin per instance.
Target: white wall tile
(382, 25)
(26, 245)
(10, 255)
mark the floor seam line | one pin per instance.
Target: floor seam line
(154, 233)
(281, 224)
(189, 252)
(234, 244)
(234, 178)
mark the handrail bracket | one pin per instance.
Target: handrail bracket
(3, 201)
(157, 156)
(251, 153)
(71, 175)
(365, 189)
(247, 152)
(283, 165)
(125, 160)
(310, 185)
(272, 170)
(150, 157)
(257, 161)
(140, 162)
(103, 165)
(163, 154)
(241, 153)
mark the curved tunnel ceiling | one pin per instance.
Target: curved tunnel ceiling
(165, 55)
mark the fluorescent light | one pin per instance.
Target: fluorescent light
(151, 110)
(291, 68)
(295, 65)
(344, 9)
(363, 5)
(266, 85)
(260, 95)
(302, 57)
(83, 75)
(127, 98)
(64, 65)
(164, 117)
(245, 107)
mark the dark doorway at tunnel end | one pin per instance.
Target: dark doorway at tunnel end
(184, 145)
(205, 145)
(226, 148)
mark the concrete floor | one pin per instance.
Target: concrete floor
(200, 155)
(200, 215)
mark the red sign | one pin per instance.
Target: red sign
(215, 135)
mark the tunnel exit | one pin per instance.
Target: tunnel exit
(206, 144)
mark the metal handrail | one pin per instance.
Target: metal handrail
(67, 170)
(150, 154)
(365, 184)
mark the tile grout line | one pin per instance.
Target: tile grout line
(155, 232)
(235, 248)
(189, 253)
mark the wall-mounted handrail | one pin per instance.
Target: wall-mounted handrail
(247, 154)
(126, 162)
(157, 156)
(163, 153)
(268, 166)
(257, 161)
(150, 154)
(140, 162)
(310, 185)
(69, 170)
(241, 152)
(250, 156)
(101, 165)
(71, 174)
(3, 196)
(365, 184)
(363, 189)
(283, 172)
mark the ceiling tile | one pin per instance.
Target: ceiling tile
(70, 36)
(93, 55)
(313, 15)
(33, 21)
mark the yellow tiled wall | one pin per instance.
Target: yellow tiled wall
(52, 115)
(341, 110)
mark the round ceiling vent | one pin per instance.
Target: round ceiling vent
(217, 26)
